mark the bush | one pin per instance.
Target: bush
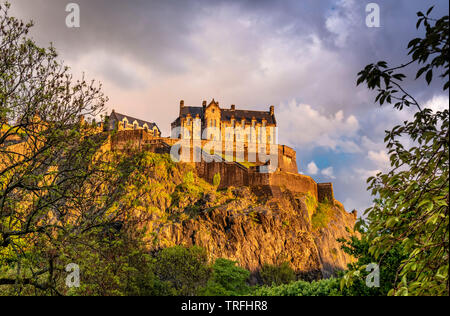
(185, 269)
(322, 216)
(328, 287)
(277, 275)
(228, 279)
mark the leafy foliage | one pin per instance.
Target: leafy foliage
(328, 287)
(227, 279)
(185, 269)
(411, 212)
(359, 249)
(277, 274)
(322, 216)
(56, 184)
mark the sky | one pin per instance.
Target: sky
(302, 56)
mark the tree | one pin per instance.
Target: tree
(56, 184)
(185, 269)
(228, 279)
(277, 274)
(411, 210)
(358, 248)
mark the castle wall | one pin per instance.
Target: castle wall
(140, 139)
(231, 174)
(287, 159)
(234, 174)
(294, 182)
(325, 192)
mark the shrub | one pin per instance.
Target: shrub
(277, 274)
(322, 216)
(185, 269)
(228, 279)
(328, 287)
(311, 204)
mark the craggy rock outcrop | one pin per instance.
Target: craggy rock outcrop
(276, 230)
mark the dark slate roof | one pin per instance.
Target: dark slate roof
(192, 110)
(247, 115)
(226, 114)
(120, 117)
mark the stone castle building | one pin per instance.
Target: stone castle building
(121, 122)
(212, 122)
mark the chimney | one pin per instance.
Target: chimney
(181, 104)
(233, 107)
(272, 110)
(204, 105)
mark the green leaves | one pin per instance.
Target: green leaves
(410, 211)
(429, 76)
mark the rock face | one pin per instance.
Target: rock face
(253, 225)
(279, 229)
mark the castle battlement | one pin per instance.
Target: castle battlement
(232, 173)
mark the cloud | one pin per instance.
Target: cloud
(341, 20)
(328, 172)
(301, 56)
(380, 158)
(438, 103)
(365, 174)
(303, 125)
(312, 168)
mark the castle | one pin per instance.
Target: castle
(214, 123)
(121, 122)
(245, 130)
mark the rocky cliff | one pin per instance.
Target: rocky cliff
(252, 226)
(255, 231)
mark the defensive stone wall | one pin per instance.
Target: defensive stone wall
(294, 182)
(233, 173)
(325, 192)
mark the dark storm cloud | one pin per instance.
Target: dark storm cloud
(156, 33)
(301, 55)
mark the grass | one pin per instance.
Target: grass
(322, 216)
(311, 204)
